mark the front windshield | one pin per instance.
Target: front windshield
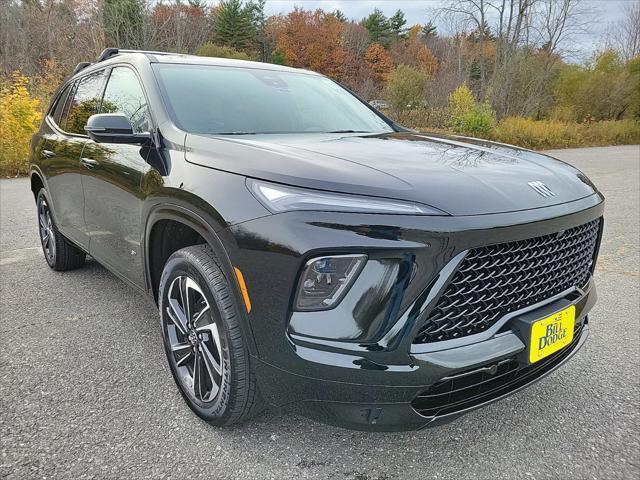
(242, 101)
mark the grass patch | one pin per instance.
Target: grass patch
(548, 134)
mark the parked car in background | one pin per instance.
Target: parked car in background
(305, 251)
(379, 104)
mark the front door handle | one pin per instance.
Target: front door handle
(47, 154)
(89, 162)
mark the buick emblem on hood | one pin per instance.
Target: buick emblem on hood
(542, 189)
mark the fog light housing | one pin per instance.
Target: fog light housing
(326, 280)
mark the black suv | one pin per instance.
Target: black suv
(305, 251)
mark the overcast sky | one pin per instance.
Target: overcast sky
(421, 11)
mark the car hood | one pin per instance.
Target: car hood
(458, 175)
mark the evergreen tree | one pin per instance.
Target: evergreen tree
(482, 33)
(378, 27)
(234, 25)
(340, 16)
(397, 24)
(278, 57)
(429, 30)
(255, 10)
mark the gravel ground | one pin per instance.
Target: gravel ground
(86, 392)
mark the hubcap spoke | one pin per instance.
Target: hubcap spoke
(211, 362)
(184, 296)
(52, 238)
(179, 347)
(177, 316)
(197, 376)
(187, 357)
(199, 316)
(182, 352)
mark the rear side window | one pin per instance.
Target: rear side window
(124, 95)
(56, 112)
(86, 102)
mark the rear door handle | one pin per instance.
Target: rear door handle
(89, 162)
(47, 154)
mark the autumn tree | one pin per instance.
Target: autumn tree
(178, 27)
(313, 40)
(122, 21)
(273, 25)
(355, 39)
(356, 74)
(413, 52)
(19, 118)
(378, 62)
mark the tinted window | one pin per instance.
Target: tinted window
(124, 95)
(85, 103)
(211, 99)
(67, 104)
(56, 112)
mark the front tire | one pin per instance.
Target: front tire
(202, 338)
(58, 252)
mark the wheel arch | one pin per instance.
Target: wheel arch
(170, 214)
(37, 182)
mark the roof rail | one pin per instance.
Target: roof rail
(81, 66)
(110, 52)
(107, 53)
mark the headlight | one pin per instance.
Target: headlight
(283, 198)
(325, 280)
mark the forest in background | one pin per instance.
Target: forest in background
(503, 74)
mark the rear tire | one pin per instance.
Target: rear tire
(203, 340)
(59, 253)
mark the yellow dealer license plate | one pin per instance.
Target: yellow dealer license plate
(552, 333)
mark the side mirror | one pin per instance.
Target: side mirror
(113, 128)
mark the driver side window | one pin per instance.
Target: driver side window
(125, 95)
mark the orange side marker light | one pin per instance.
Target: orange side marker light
(243, 289)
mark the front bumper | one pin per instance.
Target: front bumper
(375, 378)
(395, 405)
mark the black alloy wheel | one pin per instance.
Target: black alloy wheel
(59, 253)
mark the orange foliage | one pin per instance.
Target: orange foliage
(379, 62)
(411, 51)
(313, 40)
(163, 13)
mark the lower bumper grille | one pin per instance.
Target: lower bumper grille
(474, 388)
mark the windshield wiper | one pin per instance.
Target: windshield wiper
(234, 133)
(349, 131)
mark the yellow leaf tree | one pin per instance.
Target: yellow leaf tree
(19, 118)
